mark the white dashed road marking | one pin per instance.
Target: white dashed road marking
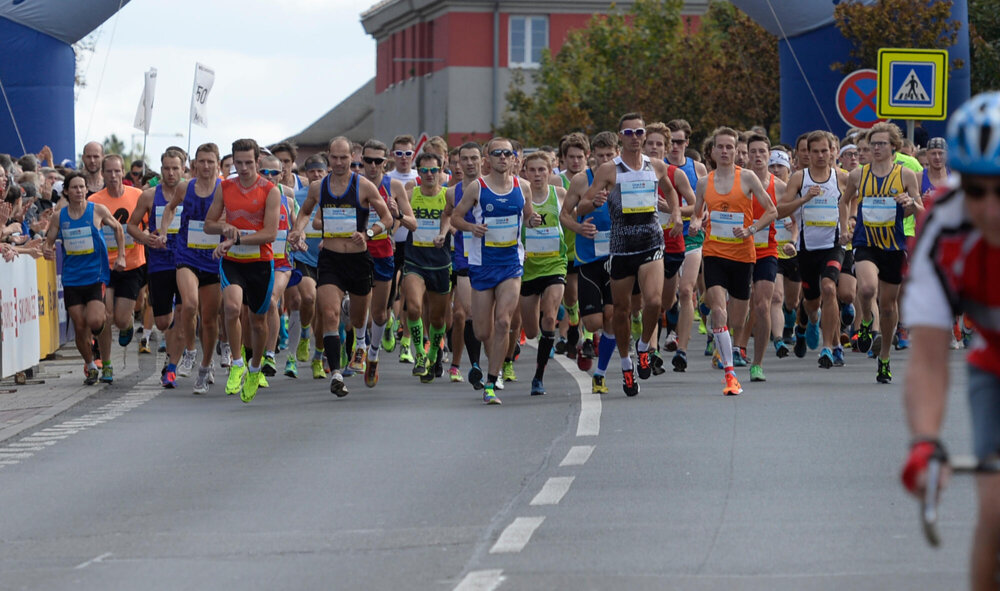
(481, 580)
(517, 535)
(577, 455)
(554, 490)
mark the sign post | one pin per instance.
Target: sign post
(912, 84)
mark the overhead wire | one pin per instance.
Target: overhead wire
(799, 65)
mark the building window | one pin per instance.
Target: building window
(529, 35)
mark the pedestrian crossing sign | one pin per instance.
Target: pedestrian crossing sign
(912, 83)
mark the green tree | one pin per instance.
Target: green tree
(984, 45)
(922, 24)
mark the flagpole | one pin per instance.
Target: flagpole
(194, 85)
(144, 168)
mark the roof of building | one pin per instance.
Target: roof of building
(353, 118)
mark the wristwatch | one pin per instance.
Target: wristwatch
(370, 233)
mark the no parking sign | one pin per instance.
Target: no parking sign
(857, 96)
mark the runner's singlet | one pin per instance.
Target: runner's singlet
(597, 248)
(726, 212)
(635, 227)
(245, 210)
(121, 208)
(194, 246)
(880, 218)
(544, 246)
(819, 219)
(162, 259)
(420, 250)
(502, 215)
(85, 253)
(764, 241)
(342, 214)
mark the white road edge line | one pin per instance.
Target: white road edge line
(553, 491)
(589, 424)
(95, 560)
(481, 580)
(517, 535)
(577, 455)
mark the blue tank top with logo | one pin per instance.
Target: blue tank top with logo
(502, 215)
(85, 259)
(161, 259)
(193, 246)
(589, 250)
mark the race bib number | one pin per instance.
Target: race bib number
(245, 251)
(602, 243)
(501, 231)
(638, 197)
(280, 244)
(78, 241)
(339, 222)
(821, 211)
(175, 224)
(313, 233)
(879, 212)
(723, 223)
(782, 234)
(466, 239)
(542, 242)
(762, 237)
(198, 239)
(666, 220)
(109, 239)
(427, 230)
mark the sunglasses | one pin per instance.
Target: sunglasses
(406, 153)
(269, 172)
(637, 132)
(505, 153)
(425, 170)
(370, 160)
(356, 164)
(677, 142)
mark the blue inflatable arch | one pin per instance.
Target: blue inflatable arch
(38, 70)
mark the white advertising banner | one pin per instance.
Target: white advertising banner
(19, 337)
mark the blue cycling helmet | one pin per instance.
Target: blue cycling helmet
(974, 135)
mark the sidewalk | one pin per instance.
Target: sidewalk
(22, 407)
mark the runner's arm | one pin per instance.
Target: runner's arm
(595, 195)
(312, 197)
(469, 197)
(370, 194)
(408, 219)
(104, 215)
(699, 205)
(171, 209)
(757, 192)
(214, 223)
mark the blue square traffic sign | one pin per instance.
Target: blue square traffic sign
(912, 84)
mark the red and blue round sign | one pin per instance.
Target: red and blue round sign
(856, 99)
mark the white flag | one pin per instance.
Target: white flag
(145, 111)
(204, 77)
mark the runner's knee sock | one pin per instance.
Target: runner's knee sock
(545, 345)
(294, 331)
(472, 345)
(605, 349)
(724, 345)
(360, 343)
(377, 332)
(331, 345)
(417, 335)
(437, 333)
(573, 312)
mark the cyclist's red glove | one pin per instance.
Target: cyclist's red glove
(921, 452)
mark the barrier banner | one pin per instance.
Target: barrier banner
(19, 314)
(66, 333)
(48, 308)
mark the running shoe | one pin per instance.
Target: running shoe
(629, 385)
(107, 374)
(800, 343)
(757, 374)
(733, 386)
(537, 388)
(125, 336)
(291, 367)
(420, 368)
(838, 356)
(583, 363)
(680, 361)
(237, 374)
(250, 386)
(717, 360)
(302, 350)
(645, 367)
(186, 366)
(225, 355)
(168, 379)
(884, 376)
(865, 337)
(710, 347)
(337, 385)
(876, 344)
(587, 349)
(780, 348)
(476, 377)
(560, 346)
(657, 363)
(92, 376)
(439, 365)
(371, 373)
(428, 377)
(389, 339)
(508, 372)
(268, 367)
(902, 338)
(671, 343)
(597, 385)
(826, 358)
(812, 335)
(282, 333)
(489, 396)
(847, 316)
(144, 346)
(739, 357)
(357, 365)
(317, 369)
(455, 375)
(201, 382)
(499, 383)
(404, 353)
(263, 383)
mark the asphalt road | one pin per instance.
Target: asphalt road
(792, 485)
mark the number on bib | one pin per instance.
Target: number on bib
(542, 242)
(723, 223)
(339, 222)
(427, 230)
(78, 241)
(501, 231)
(638, 197)
(879, 212)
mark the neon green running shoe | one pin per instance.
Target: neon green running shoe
(250, 386)
(263, 383)
(420, 366)
(757, 374)
(317, 367)
(389, 336)
(234, 384)
(291, 368)
(508, 372)
(405, 356)
(302, 351)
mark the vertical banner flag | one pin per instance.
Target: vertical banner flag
(204, 77)
(145, 111)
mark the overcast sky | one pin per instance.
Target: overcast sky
(279, 65)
